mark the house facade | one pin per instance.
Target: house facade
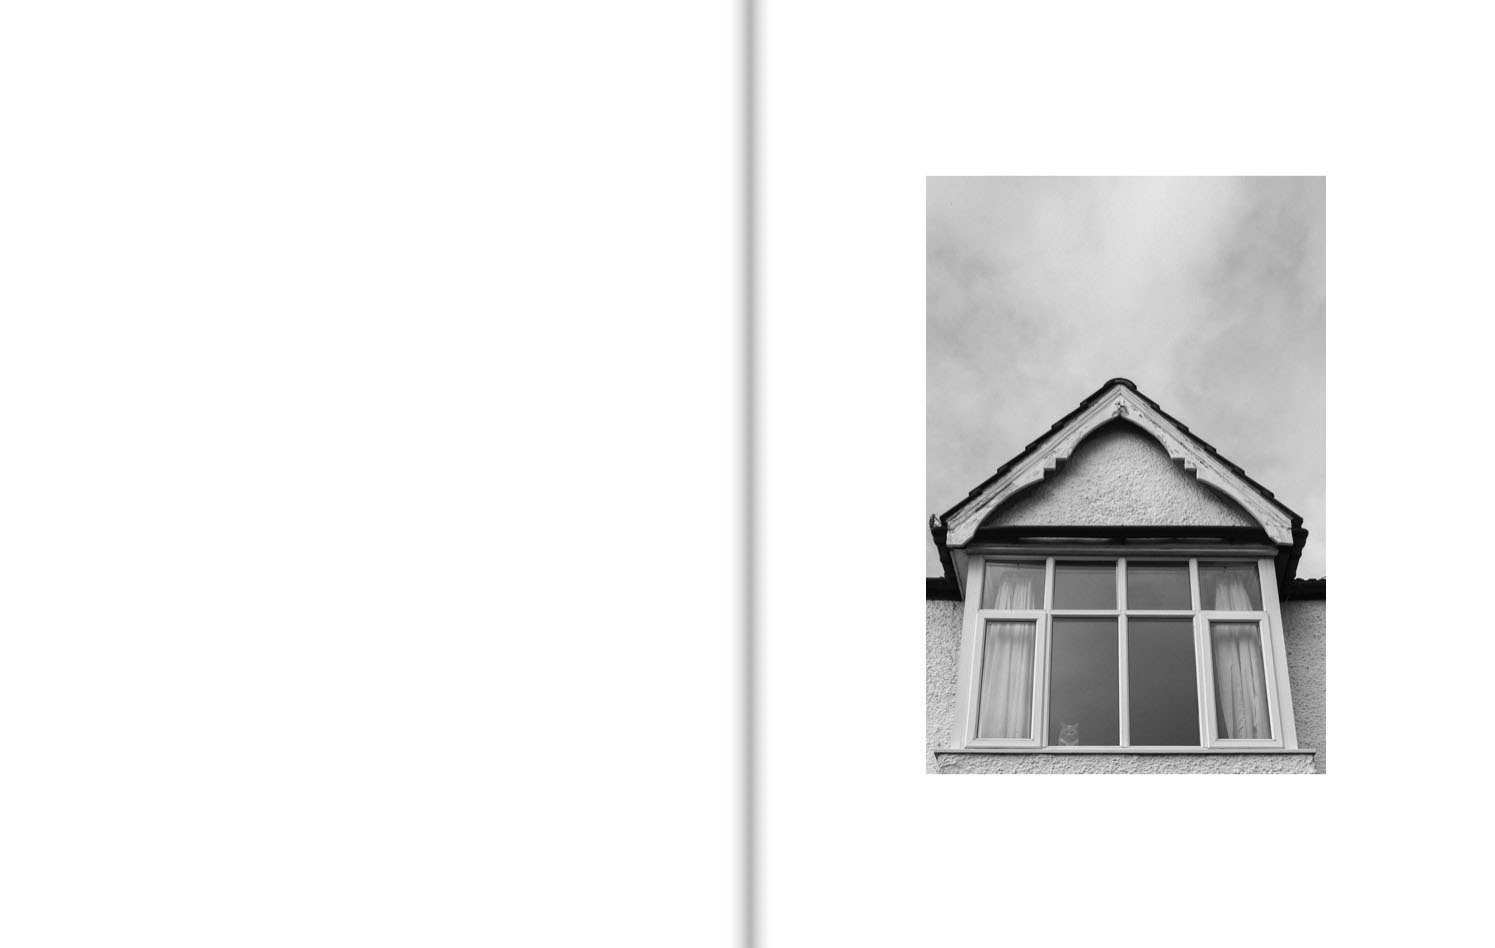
(1120, 598)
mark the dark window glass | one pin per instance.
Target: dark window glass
(1157, 586)
(1084, 585)
(1084, 696)
(1162, 689)
(1229, 587)
(1012, 586)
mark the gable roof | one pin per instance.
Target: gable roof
(1120, 399)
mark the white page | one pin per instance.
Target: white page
(372, 475)
(861, 102)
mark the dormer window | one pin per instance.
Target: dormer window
(1119, 582)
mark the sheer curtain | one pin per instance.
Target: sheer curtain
(1014, 590)
(1007, 680)
(1007, 667)
(1240, 679)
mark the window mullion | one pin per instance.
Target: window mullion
(1121, 660)
(1204, 667)
(1048, 650)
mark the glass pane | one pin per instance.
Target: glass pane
(1012, 586)
(1162, 689)
(1229, 587)
(1158, 586)
(1084, 585)
(1240, 681)
(1007, 680)
(1084, 696)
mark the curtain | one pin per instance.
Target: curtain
(1013, 586)
(1240, 679)
(1232, 594)
(1007, 680)
(1015, 591)
(1007, 665)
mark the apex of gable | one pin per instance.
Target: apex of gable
(1120, 400)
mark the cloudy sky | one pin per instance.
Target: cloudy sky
(1206, 292)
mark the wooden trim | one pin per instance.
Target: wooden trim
(961, 562)
(1278, 637)
(1153, 550)
(969, 676)
(1119, 402)
(1120, 534)
(1202, 660)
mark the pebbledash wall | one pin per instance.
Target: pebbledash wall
(1303, 622)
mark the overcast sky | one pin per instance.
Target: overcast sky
(1206, 292)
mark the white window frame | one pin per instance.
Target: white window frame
(1268, 620)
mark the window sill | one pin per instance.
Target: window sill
(1122, 751)
(1116, 760)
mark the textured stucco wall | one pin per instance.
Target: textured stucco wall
(1120, 477)
(1304, 630)
(941, 647)
(1303, 625)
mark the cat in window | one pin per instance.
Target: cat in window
(1069, 734)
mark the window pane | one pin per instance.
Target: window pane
(1012, 586)
(1229, 587)
(1240, 681)
(1162, 689)
(1084, 585)
(1158, 586)
(1007, 680)
(1084, 696)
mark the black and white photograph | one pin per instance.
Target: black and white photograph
(1108, 591)
(463, 468)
